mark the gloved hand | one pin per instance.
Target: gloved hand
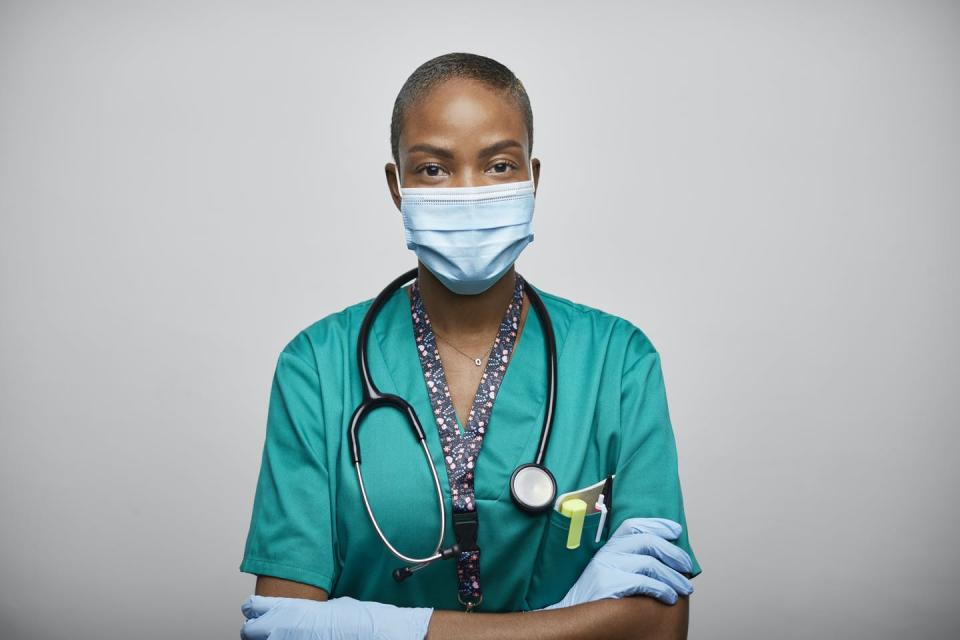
(340, 618)
(636, 560)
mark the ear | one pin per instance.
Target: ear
(390, 170)
(536, 174)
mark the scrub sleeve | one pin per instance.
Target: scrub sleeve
(291, 529)
(647, 483)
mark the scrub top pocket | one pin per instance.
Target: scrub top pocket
(558, 568)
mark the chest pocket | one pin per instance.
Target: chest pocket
(558, 568)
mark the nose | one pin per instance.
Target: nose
(469, 178)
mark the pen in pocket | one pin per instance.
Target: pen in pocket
(604, 505)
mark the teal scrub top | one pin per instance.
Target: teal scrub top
(309, 524)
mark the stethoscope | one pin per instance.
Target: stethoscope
(532, 486)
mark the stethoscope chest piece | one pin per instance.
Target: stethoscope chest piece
(533, 488)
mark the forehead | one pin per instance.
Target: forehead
(461, 113)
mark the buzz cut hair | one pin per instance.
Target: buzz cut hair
(457, 65)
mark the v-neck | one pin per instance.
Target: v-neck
(519, 408)
(487, 388)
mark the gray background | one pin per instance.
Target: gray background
(768, 189)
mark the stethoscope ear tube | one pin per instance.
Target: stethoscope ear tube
(402, 573)
(438, 552)
(374, 399)
(381, 400)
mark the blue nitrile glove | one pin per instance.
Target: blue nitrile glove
(636, 560)
(340, 618)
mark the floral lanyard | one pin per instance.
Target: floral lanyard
(460, 451)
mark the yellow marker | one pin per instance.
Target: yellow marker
(575, 509)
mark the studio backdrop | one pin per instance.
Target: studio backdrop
(767, 189)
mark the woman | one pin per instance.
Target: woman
(460, 345)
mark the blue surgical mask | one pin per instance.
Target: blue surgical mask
(468, 236)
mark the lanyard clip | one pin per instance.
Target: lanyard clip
(465, 526)
(470, 604)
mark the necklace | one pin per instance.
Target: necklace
(476, 361)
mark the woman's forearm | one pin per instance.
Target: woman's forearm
(634, 618)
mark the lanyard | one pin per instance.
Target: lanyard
(461, 451)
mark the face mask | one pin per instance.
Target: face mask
(468, 236)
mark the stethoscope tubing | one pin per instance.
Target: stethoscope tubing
(373, 398)
(443, 518)
(551, 341)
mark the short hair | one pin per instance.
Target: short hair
(457, 65)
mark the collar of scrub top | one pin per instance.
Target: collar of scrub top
(532, 486)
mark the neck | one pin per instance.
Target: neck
(465, 319)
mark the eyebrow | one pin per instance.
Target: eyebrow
(497, 147)
(448, 154)
(432, 150)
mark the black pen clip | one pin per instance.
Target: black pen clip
(608, 493)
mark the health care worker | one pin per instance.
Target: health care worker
(546, 433)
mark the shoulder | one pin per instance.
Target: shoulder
(616, 336)
(329, 338)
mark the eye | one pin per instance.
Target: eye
(502, 166)
(432, 170)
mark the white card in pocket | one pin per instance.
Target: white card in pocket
(590, 495)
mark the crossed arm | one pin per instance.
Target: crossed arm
(635, 617)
